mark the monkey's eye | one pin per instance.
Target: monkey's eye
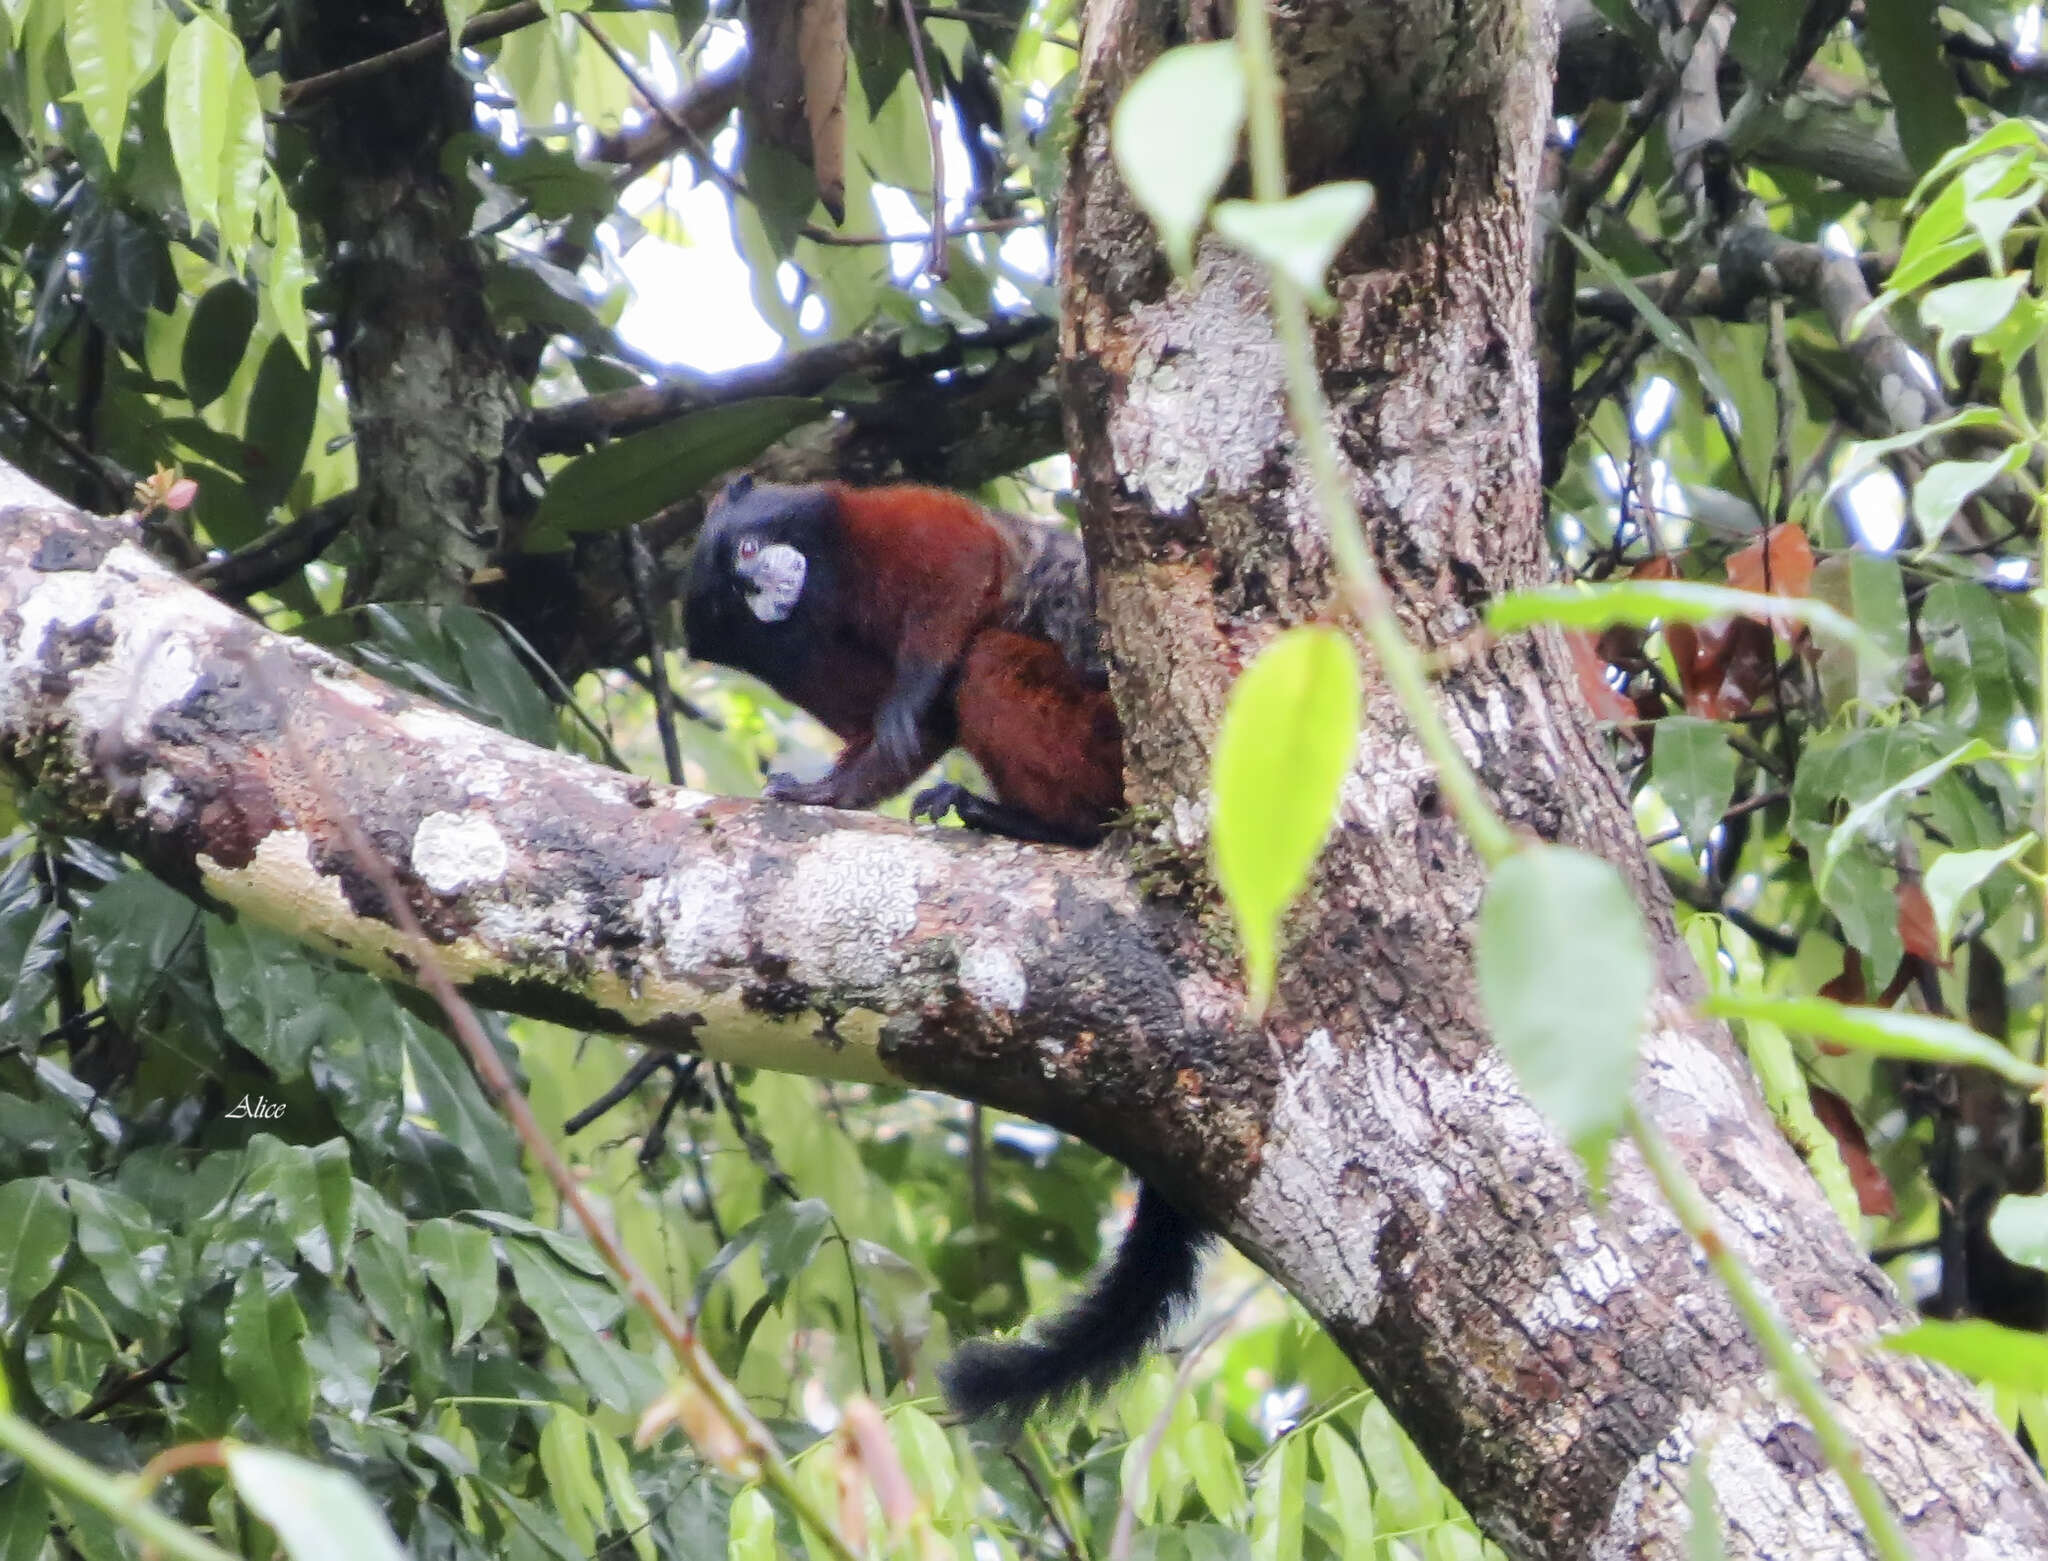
(748, 547)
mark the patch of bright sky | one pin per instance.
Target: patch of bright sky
(2026, 33)
(691, 303)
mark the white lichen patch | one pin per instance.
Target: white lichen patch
(451, 851)
(849, 905)
(694, 916)
(991, 975)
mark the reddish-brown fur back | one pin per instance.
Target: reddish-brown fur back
(1048, 743)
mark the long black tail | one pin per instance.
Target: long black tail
(1100, 1336)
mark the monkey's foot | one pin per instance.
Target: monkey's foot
(935, 802)
(820, 793)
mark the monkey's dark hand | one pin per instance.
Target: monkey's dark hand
(935, 802)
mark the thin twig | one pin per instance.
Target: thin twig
(936, 265)
(639, 575)
(1762, 799)
(119, 484)
(681, 1338)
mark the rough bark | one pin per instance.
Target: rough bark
(1563, 1366)
(431, 399)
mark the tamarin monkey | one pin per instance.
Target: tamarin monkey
(909, 620)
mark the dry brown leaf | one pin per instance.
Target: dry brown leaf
(1607, 702)
(1780, 563)
(821, 43)
(1874, 1194)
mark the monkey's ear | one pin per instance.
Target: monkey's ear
(738, 488)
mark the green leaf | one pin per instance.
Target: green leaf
(571, 1478)
(630, 478)
(1174, 136)
(572, 1309)
(101, 48)
(279, 426)
(1881, 1031)
(1280, 1501)
(1868, 813)
(459, 1261)
(136, 928)
(1977, 662)
(1868, 591)
(202, 62)
(790, 1236)
(1565, 977)
(458, 1108)
(458, 13)
(35, 1234)
(1971, 307)
(1916, 74)
(318, 1515)
(1661, 325)
(272, 997)
(264, 1358)
(132, 1253)
(1986, 1351)
(1300, 236)
(24, 1511)
(2019, 1228)
(1347, 1490)
(215, 339)
(1956, 873)
(1647, 603)
(1947, 486)
(242, 170)
(1281, 757)
(1693, 769)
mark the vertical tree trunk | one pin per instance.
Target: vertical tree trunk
(1564, 1367)
(431, 399)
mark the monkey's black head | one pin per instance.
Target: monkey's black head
(762, 567)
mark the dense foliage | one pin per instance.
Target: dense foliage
(248, 1192)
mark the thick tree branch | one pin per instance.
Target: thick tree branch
(878, 357)
(841, 945)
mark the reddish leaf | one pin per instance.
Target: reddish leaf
(1780, 562)
(182, 493)
(1916, 925)
(1606, 701)
(1873, 1193)
(1848, 987)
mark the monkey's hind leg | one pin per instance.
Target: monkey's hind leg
(992, 818)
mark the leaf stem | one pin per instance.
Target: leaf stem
(1364, 590)
(1781, 1352)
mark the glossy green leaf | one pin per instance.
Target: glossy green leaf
(1648, 603)
(630, 478)
(2019, 1228)
(1870, 813)
(381, 1260)
(1300, 236)
(242, 165)
(1882, 1032)
(197, 76)
(1281, 756)
(263, 1355)
(1986, 1351)
(1175, 136)
(1970, 307)
(572, 1309)
(1693, 769)
(458, 1108)
(318, 1515)
(791, 1233)
(750, 1535)
(131, 1251)
(1956, 873)
(565, 1463)
(99, 41)
(461, 1262)
(35, 1234)
(1867, 454)
(273, 998)
(1565, 976)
